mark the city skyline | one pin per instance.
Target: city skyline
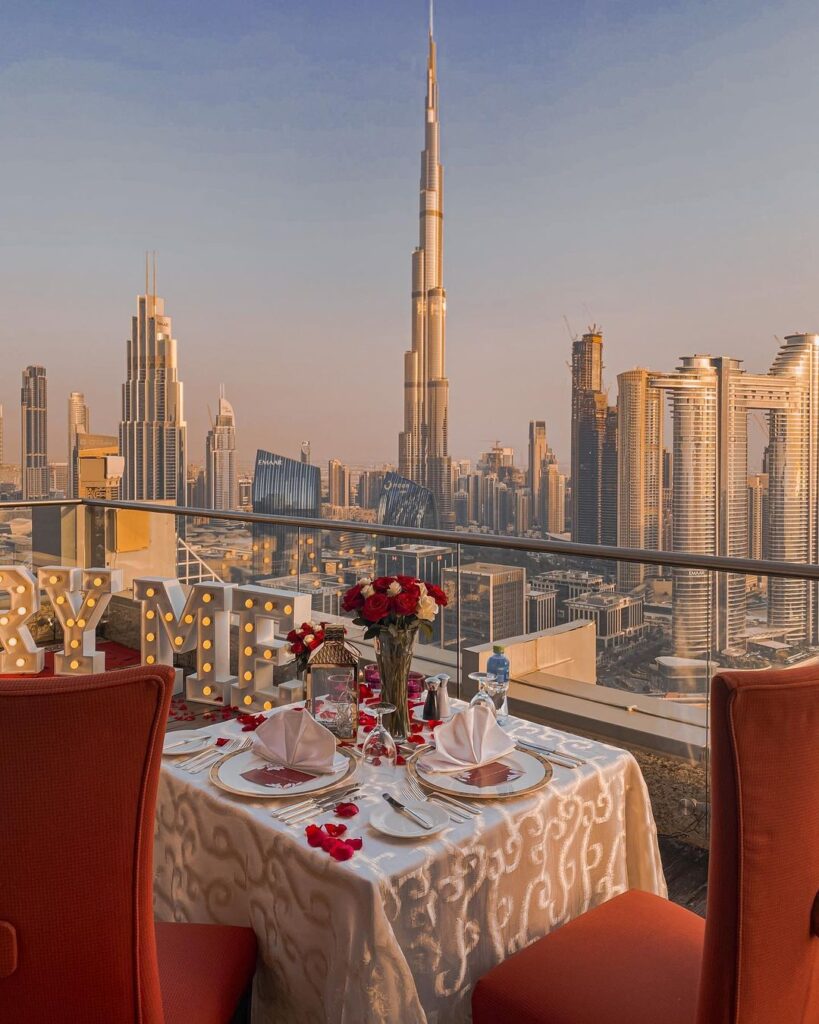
(738, 298)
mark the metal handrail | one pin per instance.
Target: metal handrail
(610, 553)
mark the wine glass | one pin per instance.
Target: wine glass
(379, 750)
(485, 681)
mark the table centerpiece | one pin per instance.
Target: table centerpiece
(392, 610)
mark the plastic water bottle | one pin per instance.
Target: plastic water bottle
(498, 664)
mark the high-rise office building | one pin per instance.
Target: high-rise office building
(153, 432)
(792, 464)
(423, 445)
(338, 483)
(758, 515)
(594, 446)
(221, 468)
(370, 483)
(538, 451)
(34, 434)
(492, 603)
(552, 499)
(79, 421)
(285, 487)
(405, 503)
(640, 466)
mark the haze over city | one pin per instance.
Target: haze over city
(645, 169)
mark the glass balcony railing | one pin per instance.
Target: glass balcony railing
(615, 644)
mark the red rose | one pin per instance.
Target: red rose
(437, 594)
(297, 647)
(406, 603)
(292, 635)
(352, 599)
(377, 606)
(306, 627)
(382, 584)
(407, 581)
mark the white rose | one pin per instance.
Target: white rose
(394, 589)
(367, 591)
(423, 588)
(309, 638)
(365, 581)
(427, 609)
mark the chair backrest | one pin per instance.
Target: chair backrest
(79, 769)
(761, 958)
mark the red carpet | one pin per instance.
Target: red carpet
(116, 656)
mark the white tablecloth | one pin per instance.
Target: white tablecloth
(401, 933)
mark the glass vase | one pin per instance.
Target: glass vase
(393, 651)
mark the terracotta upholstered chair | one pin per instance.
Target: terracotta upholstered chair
(639, 959)
(79, 769)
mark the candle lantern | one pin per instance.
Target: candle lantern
(332, 683)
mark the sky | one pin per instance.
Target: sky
(651, 167)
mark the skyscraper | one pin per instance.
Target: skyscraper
(423, 445)
(79, 421)
(285, 487)
(594, 446)
(221, 470)
(153, 432)
(406, 503)
(640, 464)
(538, 450)
(711, 397)
(338, 483)
(34, 434)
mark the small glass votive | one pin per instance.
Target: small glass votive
(415, 684)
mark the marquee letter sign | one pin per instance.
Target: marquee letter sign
(20, 656)
(79, 597)
(262, 612)
(171, 625)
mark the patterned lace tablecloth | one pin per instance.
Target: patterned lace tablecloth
(401, 933)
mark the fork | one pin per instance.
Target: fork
(231, 748)
(456, 813)
(294, 816)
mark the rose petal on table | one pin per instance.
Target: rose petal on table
(346, 809)
(335, 830)
(355, 843)
(222, 741)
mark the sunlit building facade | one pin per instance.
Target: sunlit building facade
(34, 434)
(153, 432)
(285, 487)
(221, 468)
(423, 445)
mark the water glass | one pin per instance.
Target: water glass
(483, 696)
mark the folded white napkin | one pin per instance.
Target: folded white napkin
(468, 740)
(294, 738)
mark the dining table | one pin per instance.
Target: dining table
(401, 932)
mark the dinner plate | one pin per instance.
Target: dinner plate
(191, 744)
(401, 826)
(515, 774)
(268, 781)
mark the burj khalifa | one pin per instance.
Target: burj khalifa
(423, 444)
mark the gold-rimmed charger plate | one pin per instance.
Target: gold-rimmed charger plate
(314, 788)
(537, 771)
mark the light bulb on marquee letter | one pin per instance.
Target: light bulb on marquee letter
(170, 624)
(20, 656)
(79, 597)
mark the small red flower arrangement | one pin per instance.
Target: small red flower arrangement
(304, 640)
(397, 603)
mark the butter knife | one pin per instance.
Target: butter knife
(423, 822)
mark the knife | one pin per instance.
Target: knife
(407, 810)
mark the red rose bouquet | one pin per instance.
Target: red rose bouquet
(392, 609)
(393, 603)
